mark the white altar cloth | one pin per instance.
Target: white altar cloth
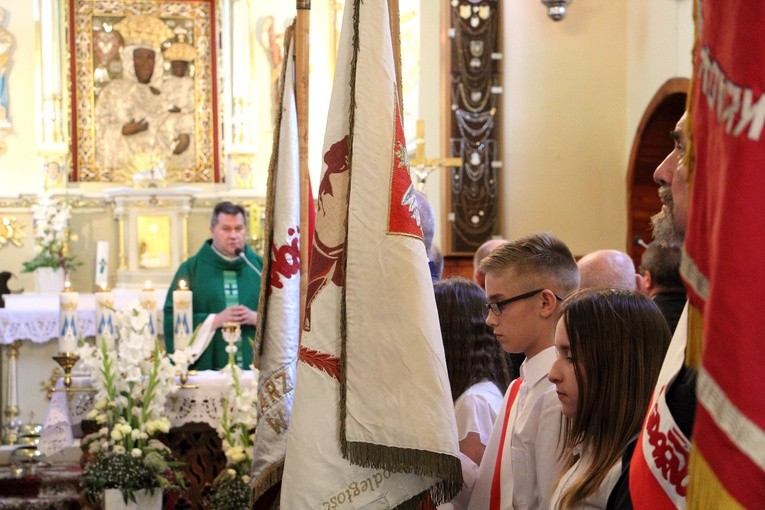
(198, 405)
(34, 317)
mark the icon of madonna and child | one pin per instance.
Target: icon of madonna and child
(143, 105)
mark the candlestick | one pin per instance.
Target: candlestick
(105, 316)
(148, 299)
(183, 316)
(67, 320)
(67, 361)
(102, 263)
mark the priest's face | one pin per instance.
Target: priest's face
(228, 233)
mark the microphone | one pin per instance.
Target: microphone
(639, 241)
(240, 253)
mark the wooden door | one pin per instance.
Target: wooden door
(651, 145)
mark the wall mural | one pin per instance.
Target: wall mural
(475, 102)
(6, 50)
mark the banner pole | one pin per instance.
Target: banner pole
(302, 33)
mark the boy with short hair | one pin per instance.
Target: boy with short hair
(526, 280)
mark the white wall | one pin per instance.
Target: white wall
(660, 39)
(564, 126)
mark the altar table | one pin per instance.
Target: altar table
(194, 414)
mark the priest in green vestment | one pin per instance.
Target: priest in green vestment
(222, 284)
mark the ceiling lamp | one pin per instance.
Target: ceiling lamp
(556, 9)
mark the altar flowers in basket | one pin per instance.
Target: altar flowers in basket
(133, 381)
(231, 488)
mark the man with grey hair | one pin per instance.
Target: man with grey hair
(607, 269)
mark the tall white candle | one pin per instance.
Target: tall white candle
(183, 316)
(102, 264)
(148, 299)
(105, 317)
(67, 320)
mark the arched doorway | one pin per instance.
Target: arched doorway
(650, 146)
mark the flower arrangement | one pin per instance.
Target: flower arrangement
(231, 489)
(51, 224)
(132, 381)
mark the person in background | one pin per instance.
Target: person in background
(607, 269)
(225, 287)
(526, 280)
(660, 280)
(513, 359)
(609, 348)
(427, 222)
(475, 363)
(481, 253)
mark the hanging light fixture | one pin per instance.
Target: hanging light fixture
(556, 9)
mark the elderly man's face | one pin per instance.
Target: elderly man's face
(671, 175)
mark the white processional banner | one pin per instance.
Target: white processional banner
(279, 324)
(373, 420)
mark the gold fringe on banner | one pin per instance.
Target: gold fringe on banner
(445, 468)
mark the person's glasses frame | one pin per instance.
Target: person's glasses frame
(496, 307)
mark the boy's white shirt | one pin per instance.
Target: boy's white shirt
(530, 460)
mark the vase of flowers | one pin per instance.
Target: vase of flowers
(51, 260)
(133, 381)
(231, 488)
(144, 500)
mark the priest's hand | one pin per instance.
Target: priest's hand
(236, 313)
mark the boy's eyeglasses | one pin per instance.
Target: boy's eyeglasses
(496, 306)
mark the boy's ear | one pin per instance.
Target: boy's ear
(550, 304)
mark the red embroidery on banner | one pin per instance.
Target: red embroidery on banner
(285, 260)
(669, 453)
(328, 250)
(321, 360)
(403, 215)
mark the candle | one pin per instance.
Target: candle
(148, 300)
(67, 319)
(102, 263)
(105, 316)
(183, 314)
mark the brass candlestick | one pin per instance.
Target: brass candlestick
(67, 361)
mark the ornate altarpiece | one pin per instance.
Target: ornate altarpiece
(96, 35)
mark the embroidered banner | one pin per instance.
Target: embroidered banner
(279, 314)
(373, 420)
(725, 242)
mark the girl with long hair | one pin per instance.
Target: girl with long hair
(475, 362)
(610, 346)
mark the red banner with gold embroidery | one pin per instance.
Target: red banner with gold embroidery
(725, 244)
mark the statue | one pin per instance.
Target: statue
(6, 49)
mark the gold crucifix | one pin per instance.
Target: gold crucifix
(420, 165)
